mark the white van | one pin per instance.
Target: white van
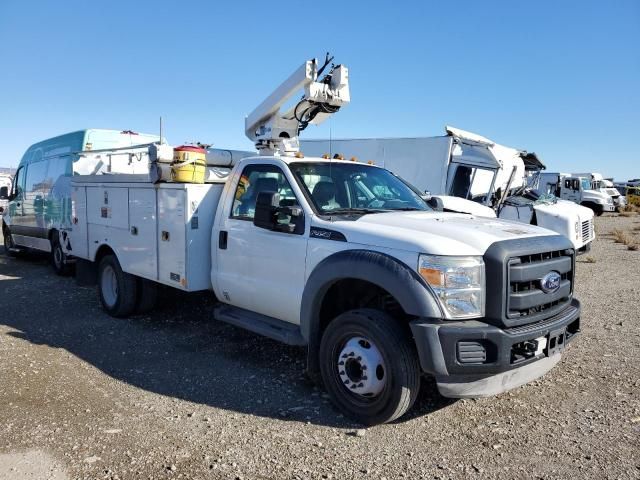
(39, 206)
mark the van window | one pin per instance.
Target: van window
(36, 179)
(58, 167)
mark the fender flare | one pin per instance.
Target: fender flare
(413, 294)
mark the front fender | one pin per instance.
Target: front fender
(402, 282)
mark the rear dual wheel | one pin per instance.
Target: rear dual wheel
(117, 289)
(369, 366)
(121, 293)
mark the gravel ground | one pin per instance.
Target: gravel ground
(177, 395)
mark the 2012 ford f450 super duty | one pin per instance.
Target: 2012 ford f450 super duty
(341, 257)
(347, 260)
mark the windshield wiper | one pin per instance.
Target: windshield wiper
(410, 209)
(355, 211)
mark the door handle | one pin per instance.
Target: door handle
(222, 240)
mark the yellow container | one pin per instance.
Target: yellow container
(189, 164)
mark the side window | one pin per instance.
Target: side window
(17, 191)
(36, 185)
(256, 179)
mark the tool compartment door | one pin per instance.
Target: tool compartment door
(79, 241)
(172, 248)
(139, 249)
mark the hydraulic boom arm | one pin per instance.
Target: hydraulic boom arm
(275, 132)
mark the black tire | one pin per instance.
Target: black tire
(59, 258)
(147, 295)
(597, 209)
(119, 301)
(8, 243)
(401, 372)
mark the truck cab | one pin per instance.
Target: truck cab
(604, 186)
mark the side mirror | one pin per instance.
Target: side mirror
(436, 204)
(269, 210)
(266, 213)
(4, 193)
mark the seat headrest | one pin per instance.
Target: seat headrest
(324, 191)
(265, 184)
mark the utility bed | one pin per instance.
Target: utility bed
(161, 231)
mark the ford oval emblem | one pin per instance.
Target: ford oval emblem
(550, 282)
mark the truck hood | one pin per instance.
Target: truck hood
(437, 233)
(462, 205)
(564, 209)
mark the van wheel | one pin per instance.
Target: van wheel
(147, 295)
(59, 258)
(8, 243)
(117, 289)
(369, 366)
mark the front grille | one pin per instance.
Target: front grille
(526, 300)
(513, 270)
(586, 230)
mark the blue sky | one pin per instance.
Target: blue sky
(560, 78)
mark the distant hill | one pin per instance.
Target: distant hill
(10, 171)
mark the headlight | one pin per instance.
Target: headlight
(458, 282)
(577, 227)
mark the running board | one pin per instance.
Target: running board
(270, 327)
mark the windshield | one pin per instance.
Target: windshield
(342, 188)
(586, 184)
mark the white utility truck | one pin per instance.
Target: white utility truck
(341, 257)
(602, 185)
(577, 189)
(5, 187)
(465, 166)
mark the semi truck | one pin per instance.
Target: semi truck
(343, 258)
(577, 189)
(464, 165)
(602, 185)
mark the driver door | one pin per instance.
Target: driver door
(257, 269)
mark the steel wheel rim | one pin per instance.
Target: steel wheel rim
(57, 255)
(109, 286)
(361, 368)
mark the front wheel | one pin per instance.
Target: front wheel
(117, 289)
(8, 243)
(369, 366)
